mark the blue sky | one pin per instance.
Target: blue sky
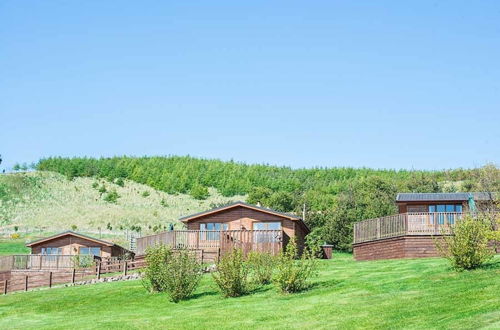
(384, 84)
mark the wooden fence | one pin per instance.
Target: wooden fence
(29, 279)
(412, 223)
(42, 261)
(211, 240)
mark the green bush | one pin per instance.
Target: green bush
(293, 273)
(120, 182)
(155, 273)
(145, 194)
(261, 266)
(112, 197)
(176, 273)
(232, 274)
(467, 247)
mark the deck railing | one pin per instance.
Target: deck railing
(257, 240)
(412, 223)
(44, 261)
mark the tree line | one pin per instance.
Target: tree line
(331, 199)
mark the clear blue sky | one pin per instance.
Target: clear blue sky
(388, 84)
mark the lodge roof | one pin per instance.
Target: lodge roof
(239, 204)
(72, 233)
(462, 196)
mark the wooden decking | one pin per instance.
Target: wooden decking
(405, 224)
(215, 241)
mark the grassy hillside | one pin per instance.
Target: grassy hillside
(420, 293)
(46, 201)
(333, 198)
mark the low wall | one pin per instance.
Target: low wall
(395, 248)
(401, 247)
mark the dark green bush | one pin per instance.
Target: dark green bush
(112, 197)
(177, 273)
(467, 247)
(145, 193)
(199, 192)
(293, 273)
(261, 266)
(232, 274)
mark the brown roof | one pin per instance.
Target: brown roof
(72, 233)
(240, 204)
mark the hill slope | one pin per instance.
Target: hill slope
(395, 294)
(48, 201)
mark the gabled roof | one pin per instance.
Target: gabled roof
(72, 233)
(437, 197)
(239, 204)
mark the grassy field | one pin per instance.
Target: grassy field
(13, 246)
(420, 293)
(49, 202)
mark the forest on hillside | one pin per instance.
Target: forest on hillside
(331, 198)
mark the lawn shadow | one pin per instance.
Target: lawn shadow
(325, 284)
(491, 265)
(204, 294)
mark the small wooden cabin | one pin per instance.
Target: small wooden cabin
(72, 243)
(422, 218)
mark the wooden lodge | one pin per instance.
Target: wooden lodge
(410, 234)
(238, 225)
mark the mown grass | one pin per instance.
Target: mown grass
(13, 246)
(418, 294)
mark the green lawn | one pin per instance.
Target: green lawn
(13, 246)
(420, 293)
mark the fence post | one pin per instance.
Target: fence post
(201, 256)
(73, 275)
(98, 270)
(5, 287)
(26, 283)
(50, 279)
(125, 268)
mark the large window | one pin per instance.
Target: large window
(449, 208)
(51, 250)
(266, 237)
(207, 233)
(267, 226)
(96, 251)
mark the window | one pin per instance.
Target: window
(449, 208)
(51, 250)
(266, 237)
(267, 226)
(96, 251)
(209, 226)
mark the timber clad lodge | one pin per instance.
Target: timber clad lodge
(411, 232)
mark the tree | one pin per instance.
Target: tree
(199, 192)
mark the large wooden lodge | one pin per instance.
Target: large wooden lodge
(410, 234)
(237, 225)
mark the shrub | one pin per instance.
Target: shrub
(145, 193)
(199, 192)
(120, 182)
(155, 273)
(467, 247)
(176, 273)
(15, 236)
(95, 185)
(112, 197)
(261, 265)
(232, 274)
(183, 275)
(102, 189)
(292, 274)
(74, 227)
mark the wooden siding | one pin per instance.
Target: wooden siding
(402, 247)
